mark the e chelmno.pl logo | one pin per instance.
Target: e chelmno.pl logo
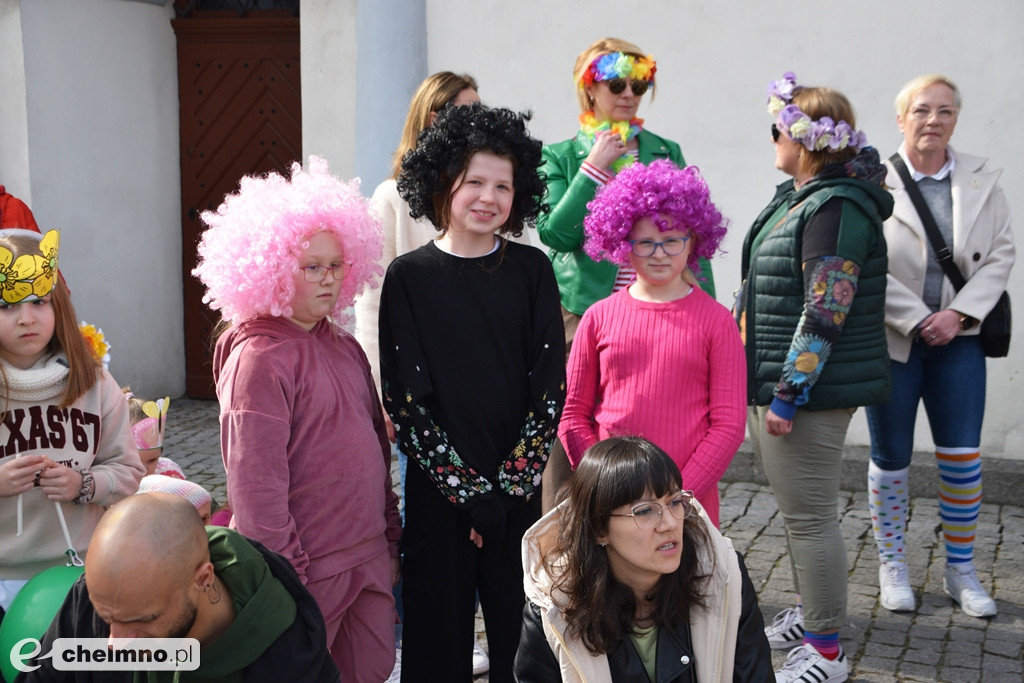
(110, 654)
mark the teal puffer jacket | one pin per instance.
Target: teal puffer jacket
(773, 297)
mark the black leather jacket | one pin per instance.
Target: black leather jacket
(536, 663)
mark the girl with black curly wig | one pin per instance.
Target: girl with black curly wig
(473, 376)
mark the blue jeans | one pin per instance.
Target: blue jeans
(951, 381)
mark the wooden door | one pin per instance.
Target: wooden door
(240, 110)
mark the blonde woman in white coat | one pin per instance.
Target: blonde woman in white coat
(932, 333)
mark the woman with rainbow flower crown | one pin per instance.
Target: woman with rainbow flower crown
(811, 312)
(611, 78)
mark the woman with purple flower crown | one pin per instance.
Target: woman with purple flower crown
(611, 77)
(811, 313)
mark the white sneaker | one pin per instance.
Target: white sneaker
(806, 665)
(396, 673)
(480, 661)
(961, 583)
(787, 630)
(894, 584)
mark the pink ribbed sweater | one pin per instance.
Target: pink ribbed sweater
(673, 373)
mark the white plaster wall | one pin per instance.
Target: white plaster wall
(714, 62)
(328, 60)
(14, 173)
(361, 63)
(392, 64)
(102, 101)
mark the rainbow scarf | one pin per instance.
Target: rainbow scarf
(589, 126)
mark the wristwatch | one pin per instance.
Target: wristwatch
(967, 322)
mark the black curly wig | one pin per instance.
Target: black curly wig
(442, 153)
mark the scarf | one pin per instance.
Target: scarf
(44, 380)
(589, 126)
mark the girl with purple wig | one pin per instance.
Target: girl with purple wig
(659, 359)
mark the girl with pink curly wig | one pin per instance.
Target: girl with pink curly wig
(303, 434)
(248, 253)
(660, 358)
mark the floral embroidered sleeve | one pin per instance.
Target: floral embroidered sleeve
(420, 437)
(409, 398)
(830, 285)
(520, 474)
(405, 386)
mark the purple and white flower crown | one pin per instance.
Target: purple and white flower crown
(815, 135)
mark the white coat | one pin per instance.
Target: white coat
(982, 249)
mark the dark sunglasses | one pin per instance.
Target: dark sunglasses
(776, 133)
(617, 85)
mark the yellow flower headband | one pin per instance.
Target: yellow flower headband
(29, 274)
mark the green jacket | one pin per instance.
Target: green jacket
(581, 280)
(773, 298)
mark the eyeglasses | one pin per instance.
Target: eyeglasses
(674, 246)
(943, 114)
(617, 85)
(647, 515)
(776, 133)
(318, 273)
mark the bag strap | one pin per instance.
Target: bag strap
(942, 252)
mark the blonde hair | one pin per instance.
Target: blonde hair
(600, 47)
(816, 103)
(135, 412)
(918, 84)
(431, 97)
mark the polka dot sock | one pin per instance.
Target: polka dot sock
(888, 495)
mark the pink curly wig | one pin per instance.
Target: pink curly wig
(248, 253)
(658, 191)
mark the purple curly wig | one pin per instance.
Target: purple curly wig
(658, 191)
(248, 253)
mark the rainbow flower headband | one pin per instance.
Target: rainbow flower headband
(619, 65)
(816, 136)
(29, 275)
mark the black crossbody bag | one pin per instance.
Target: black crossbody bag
(996, 327)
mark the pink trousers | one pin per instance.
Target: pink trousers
(359, 611)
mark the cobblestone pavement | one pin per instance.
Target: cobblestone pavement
(935, 643)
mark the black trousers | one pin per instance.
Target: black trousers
(442, 571)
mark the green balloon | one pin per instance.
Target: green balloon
(32, 610)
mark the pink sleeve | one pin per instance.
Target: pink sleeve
(577, 429)
(255, 429)
(727, 380)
